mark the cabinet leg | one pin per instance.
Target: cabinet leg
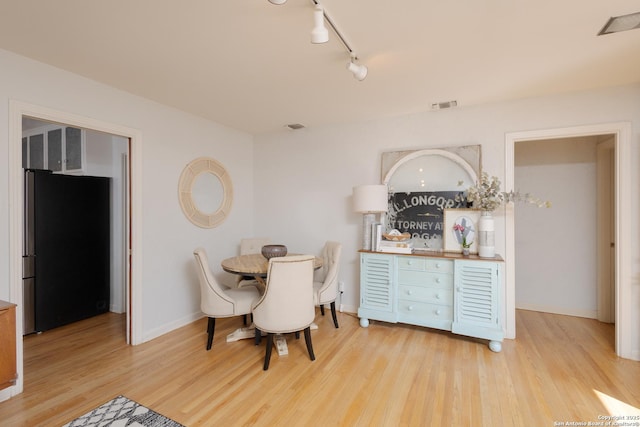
(364, 322)
(495, 346)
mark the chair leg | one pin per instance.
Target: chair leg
(244, 320)
(257, 338)
(333, 314)
(307, 339)
(322, 309)
(297, 333)
(267, 355)
(211, 325)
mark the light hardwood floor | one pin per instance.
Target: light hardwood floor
(559, 369)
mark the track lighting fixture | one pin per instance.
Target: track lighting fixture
(359, 71)
(319, 34)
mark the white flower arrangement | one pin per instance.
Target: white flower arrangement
(486, 195)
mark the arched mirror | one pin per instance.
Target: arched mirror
(205, 192)
(422, 183)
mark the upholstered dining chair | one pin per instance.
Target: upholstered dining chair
(216, 301)
(287, 303)
(250, 246)
(325, 279)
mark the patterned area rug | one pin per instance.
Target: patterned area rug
(121, 412)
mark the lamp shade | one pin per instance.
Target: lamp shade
(370, 198)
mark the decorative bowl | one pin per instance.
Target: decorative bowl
(271, 251)
(397, 237)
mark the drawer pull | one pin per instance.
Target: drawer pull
(410, 308)
(437, 265)
(409, 262)
(437, 296)
(438, 312)
(437, 280)
(409, 292)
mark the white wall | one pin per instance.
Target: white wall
(170, 139)
(556, 248)
(104, 158)
(304, 179)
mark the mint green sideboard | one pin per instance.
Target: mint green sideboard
(442, 291)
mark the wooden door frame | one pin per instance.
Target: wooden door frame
(623, 279)
(17, 110)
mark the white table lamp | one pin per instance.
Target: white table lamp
(370, 200)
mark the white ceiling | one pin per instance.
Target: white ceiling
(249, 64)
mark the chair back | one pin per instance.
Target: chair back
(253, 245)
(213, 299)
(328, 273)
(287, 304)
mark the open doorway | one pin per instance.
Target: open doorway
(133, 255)
(572, 240)
(82, 254)
(621, 133)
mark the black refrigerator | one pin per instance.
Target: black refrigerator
(67, 249)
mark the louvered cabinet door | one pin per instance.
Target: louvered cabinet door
(477, 301)
(376, 288)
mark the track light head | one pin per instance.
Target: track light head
(359, 71)
(319, 34)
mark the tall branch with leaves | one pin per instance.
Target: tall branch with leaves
(487, 196)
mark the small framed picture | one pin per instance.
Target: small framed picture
(460, 228)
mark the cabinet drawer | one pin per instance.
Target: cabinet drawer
(425, 264)
(426, 294)
(424, 312)
(422, 278)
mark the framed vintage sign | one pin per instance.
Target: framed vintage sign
(420, 214)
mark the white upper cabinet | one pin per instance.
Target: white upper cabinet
(58, 148)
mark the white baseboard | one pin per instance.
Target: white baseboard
(116, 309)
(348, 309)
(155, 333)
(9, 392)
(589, 314)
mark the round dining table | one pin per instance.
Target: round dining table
(254, 265)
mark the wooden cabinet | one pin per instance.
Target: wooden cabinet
(448, 292)
(8, 372)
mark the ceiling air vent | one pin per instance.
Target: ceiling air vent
(294, 126)
(444, 105)
(621, 23)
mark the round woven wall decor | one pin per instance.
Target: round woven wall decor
(188, 178)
